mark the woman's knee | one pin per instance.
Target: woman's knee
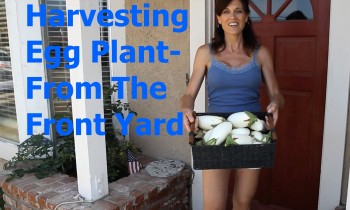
(214, 202)
(242, 201)
(214, 206)
(245, 186)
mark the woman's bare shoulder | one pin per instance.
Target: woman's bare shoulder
(204, 49)
(203, 54)
(263, 54)
(263, 50)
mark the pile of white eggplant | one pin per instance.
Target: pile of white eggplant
(238, 128)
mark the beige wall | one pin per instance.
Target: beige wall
(172, 74)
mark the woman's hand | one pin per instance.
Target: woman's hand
(188, 119)
(272, 108)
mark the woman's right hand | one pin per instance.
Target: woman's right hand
(188, 119)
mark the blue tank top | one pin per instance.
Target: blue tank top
(233, 89)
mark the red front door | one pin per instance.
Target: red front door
(300, 53)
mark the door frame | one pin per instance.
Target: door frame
(198, 32)
(337, 101)
(336, 112)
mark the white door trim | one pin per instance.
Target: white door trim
(337, 103)
(197, 38)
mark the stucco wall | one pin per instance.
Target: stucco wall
(173, 74)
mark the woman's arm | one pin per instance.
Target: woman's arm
(276, 98)
(201, 62)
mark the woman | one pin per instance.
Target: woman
(235, 66)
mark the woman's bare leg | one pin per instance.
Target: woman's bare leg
(246, 182)
(215, 187)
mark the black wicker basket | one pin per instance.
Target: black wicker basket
(233, 156)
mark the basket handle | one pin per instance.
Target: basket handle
(273, 130)
(193, 127)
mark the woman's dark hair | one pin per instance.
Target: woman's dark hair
(250, 41)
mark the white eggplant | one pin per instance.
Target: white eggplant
(257, 135)
(207, 135)
(242, 139)
(259, 125)
(242, 131)
(242, 119)
(220, 132)
(208, 122)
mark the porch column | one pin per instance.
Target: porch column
(90, 149)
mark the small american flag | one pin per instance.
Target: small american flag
(134, 165)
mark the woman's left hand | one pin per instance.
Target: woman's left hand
(273, 109)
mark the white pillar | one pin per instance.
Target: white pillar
(90, 149)
(337, 103)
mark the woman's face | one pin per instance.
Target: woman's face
(233, 18)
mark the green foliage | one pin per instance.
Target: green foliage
(116, 107)
(44, 157)
(117, 158)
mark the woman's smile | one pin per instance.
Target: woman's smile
(233, 17)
